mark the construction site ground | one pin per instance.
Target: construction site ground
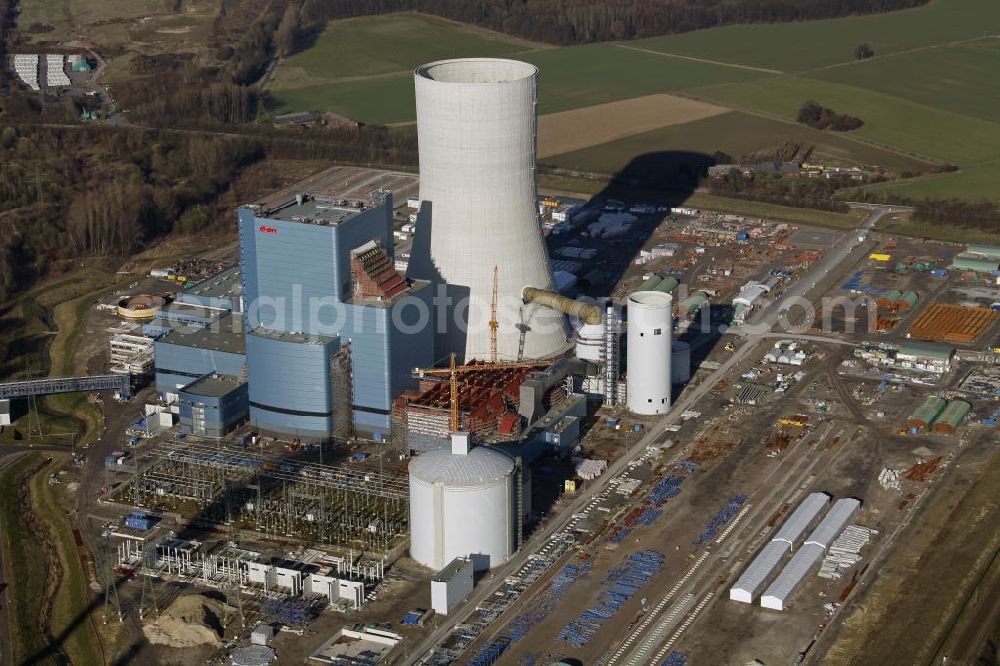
(851, 434)
(955, 288)
(922, 579)
(841, 451)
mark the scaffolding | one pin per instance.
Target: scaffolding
(342, 380)
(347, 507)
(611, 330)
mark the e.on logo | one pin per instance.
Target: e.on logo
(267, 230)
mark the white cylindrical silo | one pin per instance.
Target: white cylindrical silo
(648, 336)
(476, 128)
(680, 362)
(462, 506)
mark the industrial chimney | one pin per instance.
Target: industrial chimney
(476, 127)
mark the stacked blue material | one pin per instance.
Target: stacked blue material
(489, 653)
(622, 584)
(720, 519)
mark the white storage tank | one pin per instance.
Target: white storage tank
(649, 334)
(462, 504)
(680, 362)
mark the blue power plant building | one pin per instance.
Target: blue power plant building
(329, 330)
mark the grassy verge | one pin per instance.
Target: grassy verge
(69, 317)
(804, 216)
(41, 564)
(71, 612)
(43, 330)
(904, 225)
(807, 216)
(21, 565)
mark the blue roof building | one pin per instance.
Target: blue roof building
(319, 285)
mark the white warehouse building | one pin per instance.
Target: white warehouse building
(462, 505)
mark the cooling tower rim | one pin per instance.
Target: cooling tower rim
(518, 70)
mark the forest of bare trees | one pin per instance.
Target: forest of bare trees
(72, 192)
(577, 21)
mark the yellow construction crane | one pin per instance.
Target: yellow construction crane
(453, 371)
(493, 317)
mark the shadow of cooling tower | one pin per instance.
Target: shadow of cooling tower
(451, 327)
(665, 178)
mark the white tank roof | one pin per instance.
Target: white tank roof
(481, 465)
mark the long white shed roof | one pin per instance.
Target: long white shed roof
(791, 577)
(834, 522)
(758, 572)
(805, 513)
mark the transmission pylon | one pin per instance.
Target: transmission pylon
(232, 589)
(111, 600)
(147, 602)
(34, 423)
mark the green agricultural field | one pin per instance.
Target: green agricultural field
(959, 78)
(382, 100)
(904, 225)
(737, 134)
(928, 97)
(374, 45)
(801, 46)
(914, 128)
(569, 78)
(578, 76)
(971, 183)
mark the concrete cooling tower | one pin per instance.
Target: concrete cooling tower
(476, 127)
